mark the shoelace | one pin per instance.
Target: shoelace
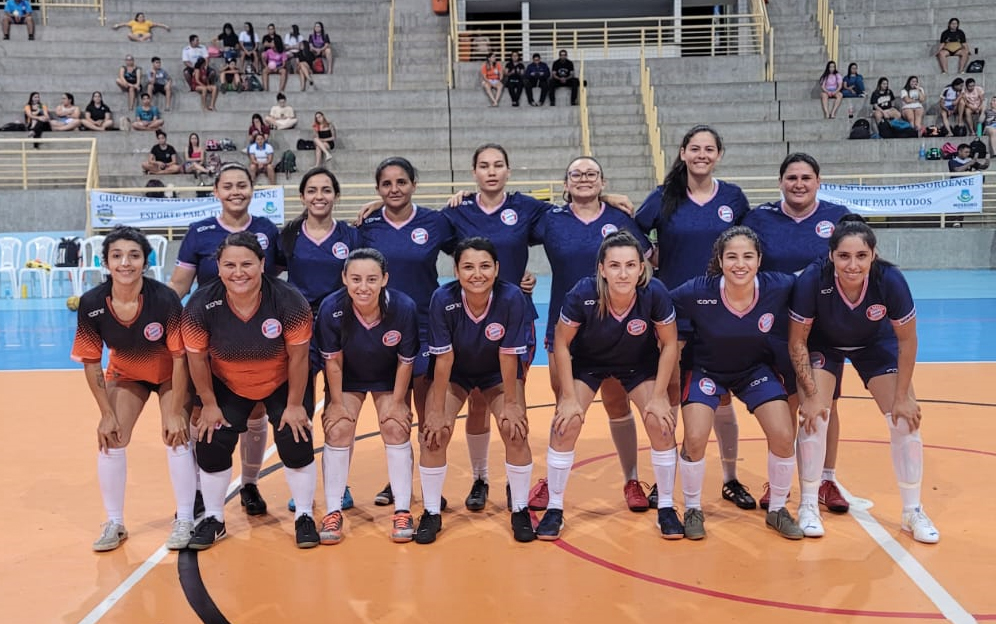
(403, 521)
(332, 522)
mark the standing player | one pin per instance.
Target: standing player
(368, 336)
(617, 325)
(855, 305)
(139, 321)
(732, 310)
(478, 330)
(687, 213)
(247, 337)
(196, 259)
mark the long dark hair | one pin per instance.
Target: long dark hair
(675, 187)
(349, 315)
(827, 72)
(715, 266)
(288, 237)
(251, 32)
(855, 225)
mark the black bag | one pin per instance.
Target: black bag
(14, 126)
(979, 149)
(960, 130)
(975, 67)
(860, 129)
(67, 254)
(885, 130)
(305, 145)
(155, 183)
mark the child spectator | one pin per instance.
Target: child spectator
(913, 97)
(160, 82)
(831, 83)
(163, 158)
(147, 116)
(881, 100)
(948, 105)
(953, 43)
(18, 12)
(322, 48)
(854, 83)
(971, 104)
(141, 28)
(67, 115)
(261, 159)
(231, 77)
(281, 116)
(97, 116)
(130, 79)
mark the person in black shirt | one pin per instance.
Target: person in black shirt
(96, 115)
(953, 43)
(162, 158)
(563, 76)
(515, 73)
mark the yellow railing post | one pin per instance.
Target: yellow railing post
(583, 110)
(390, 49)
(650, 117)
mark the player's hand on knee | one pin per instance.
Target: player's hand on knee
(296, 418)
(108, 432)
(175, 430)
(565, 413)
(211, 420)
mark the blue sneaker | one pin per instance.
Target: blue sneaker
(291, 506)
(347, 502)
(550, 526)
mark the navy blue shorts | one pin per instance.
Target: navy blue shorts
(630, 379)
(880, 358)
(755, 387)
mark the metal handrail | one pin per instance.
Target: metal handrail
(829, 30)
(767, 36)
(97, 5)
(69, 165)
(583, 109)
(650, 115)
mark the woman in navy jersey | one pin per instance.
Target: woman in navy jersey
(618, 325)
(687, 212)
(139, 321)
(233, 188)
(794, 232)
(368, 336)
(732, 311)
(854, 305)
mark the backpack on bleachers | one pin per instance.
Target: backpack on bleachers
(67, 254)
(979, 149)
(287, 164)
(860, 129)
(975, 67)
(253, 83)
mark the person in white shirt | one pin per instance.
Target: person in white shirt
(261, 159)
(191, 53)
(281, 116)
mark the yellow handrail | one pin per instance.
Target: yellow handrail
(828, 29)
(97, 5)
(390, 49)
(766, 35)
(583, 109)
(650, 115)
(68, 165)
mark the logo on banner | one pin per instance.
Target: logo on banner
(272, 328)
(824, 229)
(340, 251)
(608, 228)
(153, 332)
(420, 236)
(509, 217)
(766, 322)
(264, 241)
(965, 196)
(875, 312)
(494, 332)
(725, 213)
(636, 327)
(105, 213)
(707, 386)
(391, 338)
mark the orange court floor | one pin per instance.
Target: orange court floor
(609, 566)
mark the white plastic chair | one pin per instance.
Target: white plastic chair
(72, 271)
(90, 251)
(158, 262)
(10, 262)
(39, 248)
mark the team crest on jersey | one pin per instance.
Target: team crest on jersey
(264, 241)
(609, 228)
(340, 250)
(766, 321)
(636, 327)
(707, 386)
(824, 229)
(509, 216)
(272, 328)
(420, 236)
(817, 360)
(725, 213)
(494, 332)
(391, 338)
(153, 332)
(875, 312)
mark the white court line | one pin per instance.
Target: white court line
(944, 601)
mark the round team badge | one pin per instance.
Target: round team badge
(766, 321)
(875, 312)
(340, 250)
(272, 328)
(817, 360)
(153, 332)
(707, 386)
(636, 327)
(608, 228)
(263, 240)
(420, 236)
(494, 332)
(391, 338)
(725, 213)
(824, 229)
(509, 217)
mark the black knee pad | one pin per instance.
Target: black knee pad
(217, 456)
(293, 454)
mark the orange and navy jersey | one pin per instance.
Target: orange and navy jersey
(141, 349)
(248, 354)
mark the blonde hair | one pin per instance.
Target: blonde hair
(620, 238)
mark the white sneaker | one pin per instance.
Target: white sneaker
(920, 527)
(179, 537)
(810, 521)
(111, 536)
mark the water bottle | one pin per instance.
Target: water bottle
(923, 151)
(978, 129)
(850, 111)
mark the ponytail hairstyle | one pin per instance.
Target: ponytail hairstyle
(601, 173)
(619, 238)
(715, 266)
(364, 253)
(855, 225)
(288, 237)
(675, 187)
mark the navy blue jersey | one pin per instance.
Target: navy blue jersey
(205, 236)
(684, 242)
(370, 354)
(477, 342)
(315, 267)
(819, 301)
(728, 341)
(411, 249)
(572, 245)
(616, 343)
(790, 244)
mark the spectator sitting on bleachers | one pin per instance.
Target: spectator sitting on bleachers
(204, 85)
(515, 73)
(249, 46)
(18, 12)
(193, 161)
(881, 100)
(160, 82)
(305, 59)
(989, 124)
(163, 159)
(191, 54)
(228, 42)
(491, 78)
(831, 83)
(261, 159)
(231, 77)
(67, 115)
(321, 46)
(324, 138)
(913, 97)
(292, 43)
(281, 115)
(36, 116)
(947, 107)
(563, 76)
(141, 28)
(275, 62)
(96, 115)
(854, 83)
(965, 160)
(953, 43)
(130, 79)
(257, 127)
(269, 39)
(537, 75)
(971, 104)
(147, 116)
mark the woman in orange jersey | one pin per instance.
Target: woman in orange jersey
(247, 337)
(139, 321)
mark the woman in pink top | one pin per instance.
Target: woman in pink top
(831, 83)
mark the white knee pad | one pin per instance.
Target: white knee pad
(811, 450)
(907, 452)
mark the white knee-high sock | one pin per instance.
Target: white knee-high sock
(558, 469)
(112, 474)
(811, 450)
(335, 473)
(780, 470)
(692, 478)
(624, 438)
(432, 487)
(214, 486)
(252, 447)
(399, 472)
(301, 482)
(477, 448)
(907, 460)
(665, 465)
(519, 478)
(183, 476)
(728, 439)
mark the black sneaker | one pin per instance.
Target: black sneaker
(669, 524)
(737, 493)
(207, 533)
(198, 504)
(251, 500)
(652, 497)
(307, 534)
(443, 503)
(478, 497)
(429, 525)
(385, 497)
(508, 497)
(550, 526)
(522, 526)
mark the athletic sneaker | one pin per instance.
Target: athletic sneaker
(332, 528)
(508, 497)
(539, 496)
(429, 525)
(636, 498)
(385, 497)
(783, 522)
(738, 494)
(551, 525)
(347, 500)
(111, 536)
(307, 535)
(652, 496)
(179, 537)
(478, 497)
(810, 521)
(766, 497)
(831, 498)
(917, 524)
(252, 500)
(403, 529)
(669, 524)
(207, 533)
(522, 526)
(694, 524)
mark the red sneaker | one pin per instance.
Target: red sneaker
(766, 497)
(832, 499)
(539, 496)
(636, 498)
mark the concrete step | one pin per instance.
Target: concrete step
(732, 131)
(691, 70)
(612, 108)
(690, 113)
(666, 95)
